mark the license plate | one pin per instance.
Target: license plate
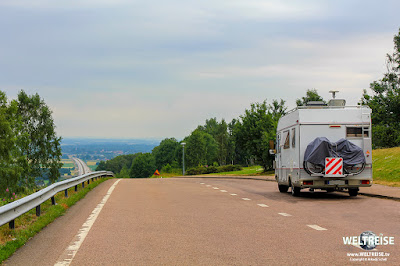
(336, 182)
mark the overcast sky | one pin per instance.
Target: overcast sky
(156, 69)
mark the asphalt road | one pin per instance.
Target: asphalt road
(212, 222)
(82, 167)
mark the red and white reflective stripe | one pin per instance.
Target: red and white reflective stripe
(334, 166)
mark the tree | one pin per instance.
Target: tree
(36, 138)
(385, 102)
(201, 149)
(143, 166)
(165, 153)
(311, 95)
(219, 131)
(11, 159)
(257, 127)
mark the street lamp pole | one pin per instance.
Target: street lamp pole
(183, 157)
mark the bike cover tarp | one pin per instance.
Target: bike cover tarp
(321, 147)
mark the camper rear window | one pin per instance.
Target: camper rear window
(356, 132)
(286, 135)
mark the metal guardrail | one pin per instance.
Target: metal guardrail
(11, 211)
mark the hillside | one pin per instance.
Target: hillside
(386, 166)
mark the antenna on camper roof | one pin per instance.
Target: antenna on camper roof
(333, 93)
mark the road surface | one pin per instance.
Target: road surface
(212, 222)
(82, 167)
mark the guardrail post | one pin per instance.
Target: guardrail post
(83, 184)
(66, 193)
(88, 182)
(38, 210)
(53, 201)
(76, 188)
(11, 224)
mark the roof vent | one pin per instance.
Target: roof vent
(316, 103)
(337, 102)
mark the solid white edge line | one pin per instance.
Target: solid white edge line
(70, 252)
(316, 227)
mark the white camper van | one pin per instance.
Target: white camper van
(326, 147)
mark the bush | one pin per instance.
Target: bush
(167, 168)
(213, 169)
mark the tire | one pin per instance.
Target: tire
(283, 188)
(295, 191)
(353, 192)
(330, 190)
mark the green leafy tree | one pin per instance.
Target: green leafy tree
(165, 153)
(11, 159)
(219, 131)
(143, 166)
(36, 138)
(201, 149)
(311, 95)
(117, 164)
(256, 128)
(385, 102)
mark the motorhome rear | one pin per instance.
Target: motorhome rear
(324, 129)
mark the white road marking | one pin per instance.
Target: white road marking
(201, 183)
(215, 188)
(70, 252)
(208, 185)
(263, 205)
(246, 199)
(284, 214)
(316, 227)
(233, 194)
(224, 191)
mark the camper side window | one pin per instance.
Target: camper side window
(286, 135)
(293, 137)
(356, 132)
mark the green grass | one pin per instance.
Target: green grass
(28, 225)
(386, 166)
(251, 170)
(68, 165)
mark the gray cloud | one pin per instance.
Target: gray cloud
(160, 68)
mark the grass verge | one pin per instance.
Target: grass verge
(386, 166)
(28, 224)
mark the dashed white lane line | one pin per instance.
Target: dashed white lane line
(215, 188)
(263, 205)
(70, 252)
(316, 227)
(233, 194)
(284, 214)
(223, 190)
(201, 183)
(246, 199)
(208, 185)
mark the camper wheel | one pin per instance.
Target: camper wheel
(283, 188)
(353, 192)
(295, 191)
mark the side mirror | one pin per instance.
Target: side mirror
(272, 151)
(271, 144)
